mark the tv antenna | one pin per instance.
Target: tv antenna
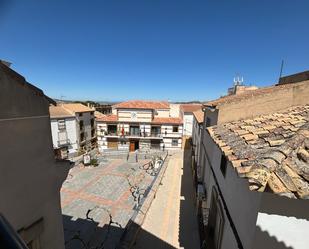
(238, 80)
(281, 70)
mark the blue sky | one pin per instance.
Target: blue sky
(152, 49)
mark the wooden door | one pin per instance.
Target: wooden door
(132, 146)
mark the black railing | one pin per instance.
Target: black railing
(8, 237)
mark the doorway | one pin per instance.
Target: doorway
(134, 145)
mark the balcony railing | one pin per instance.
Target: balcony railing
(63, 142)
(131, 134)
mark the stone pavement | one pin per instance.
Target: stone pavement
(171, 221)
(97, 202)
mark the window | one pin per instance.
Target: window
(92, 122)
(93, 132)
(91, 113)
(175, 128)
(216, 221)
(80, 114)
(61, 124)
(223, 165)
(174, 142)
(82, 136)
(81, 124)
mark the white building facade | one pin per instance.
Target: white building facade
(73, 129)
(140, 125)
(188, 117)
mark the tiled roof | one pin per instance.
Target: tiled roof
(98, 114)
(199, 115)
(190, 107)
(77, 107)
(107, 118)
(141, 104)
(261, 91)
(157, 120)
(271, 151)
(59, 112)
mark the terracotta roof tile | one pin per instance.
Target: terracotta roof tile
(77, 107)
(190, 107)
(270, 154)
(107, 118)
(199, 115)
(157, 120)
(141, 104)
(59, 112)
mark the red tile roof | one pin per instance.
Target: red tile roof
(190, 107)
(199, 115)
(141, 104)
(59, 112)
(107, 118)
(167, 121)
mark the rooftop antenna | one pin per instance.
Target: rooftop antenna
(238, 80)
(281, 70)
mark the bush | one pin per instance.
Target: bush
(94, 162)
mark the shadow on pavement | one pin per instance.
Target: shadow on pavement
(188, 227)
(87, 234)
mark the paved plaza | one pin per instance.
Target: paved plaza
(97, 202)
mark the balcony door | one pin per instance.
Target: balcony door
(134, 130)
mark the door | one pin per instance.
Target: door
(132, 146)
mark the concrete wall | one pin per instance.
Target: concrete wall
(125, 115)
(163, 113)
(271, 102)
(175, 110)
(30, 178)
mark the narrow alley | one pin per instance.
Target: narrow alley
(171, 221)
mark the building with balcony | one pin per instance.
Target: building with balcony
(73, 129)
(140, 125)
(31, 177)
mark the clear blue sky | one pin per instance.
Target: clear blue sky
(152, 49)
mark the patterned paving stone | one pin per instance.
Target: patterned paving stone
(109, 187)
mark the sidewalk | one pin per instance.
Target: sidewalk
(171, 221)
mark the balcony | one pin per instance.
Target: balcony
(63, 142)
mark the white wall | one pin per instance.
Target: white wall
(71, 130)
(187, 124)
(291, 231)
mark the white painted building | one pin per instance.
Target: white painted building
(73, 128)
(31, 177)
(198, 119)
(187, 116)
(140, 125)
